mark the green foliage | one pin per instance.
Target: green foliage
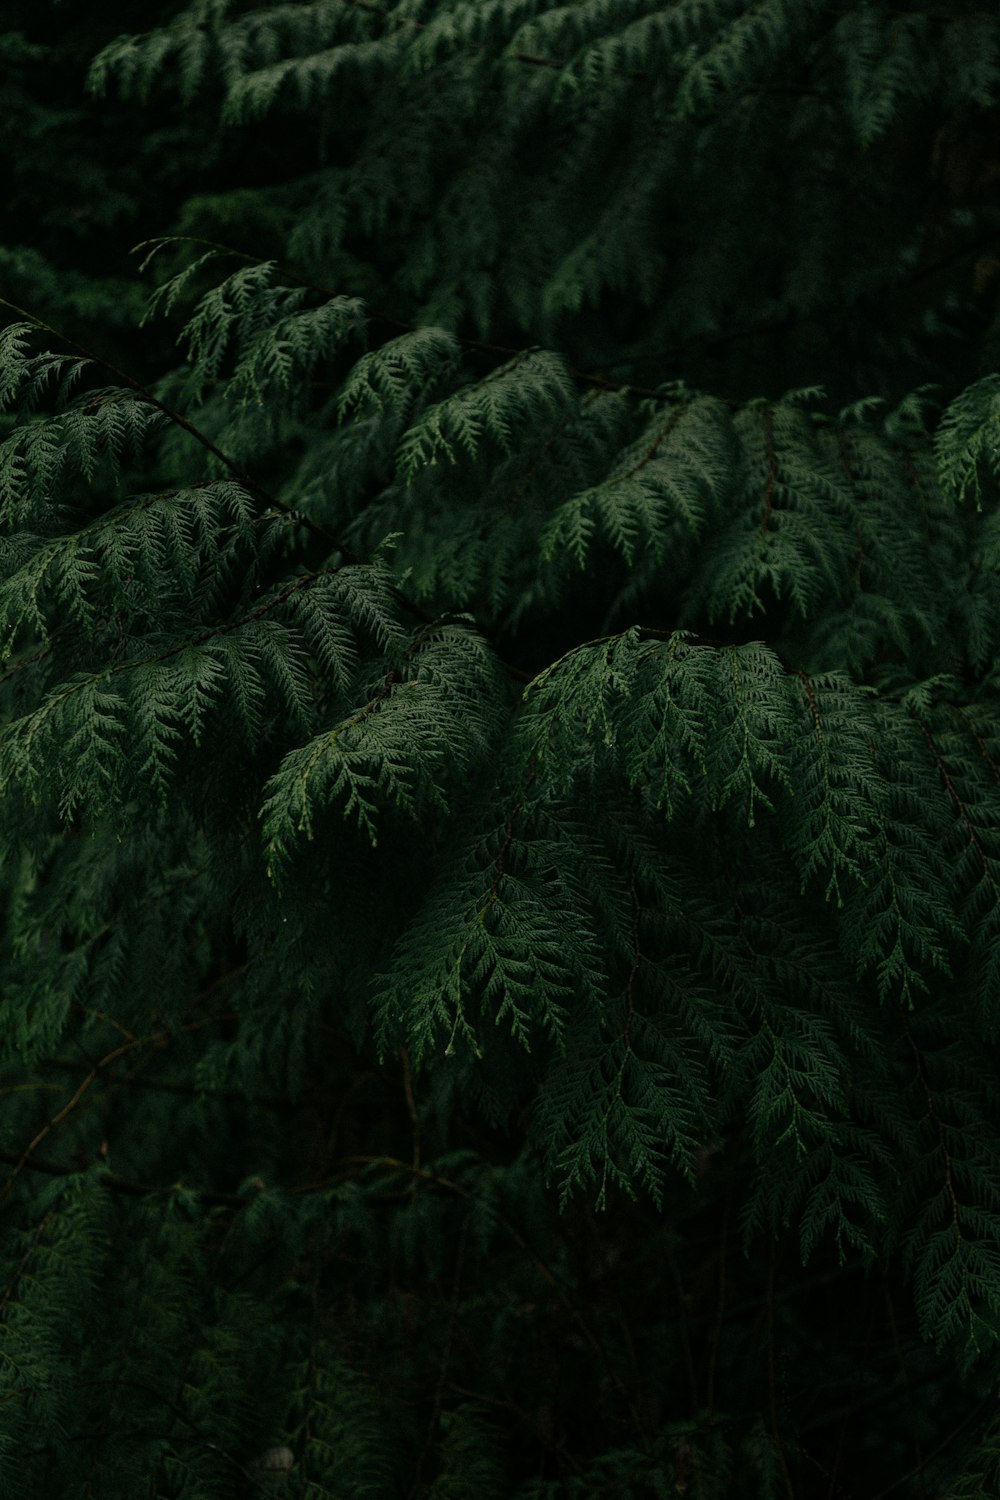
(498, 766)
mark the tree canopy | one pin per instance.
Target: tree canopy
(500, 749)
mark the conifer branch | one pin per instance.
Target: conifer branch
(961, 809)
(479, 346)
(186, 425)
(934, 1115)
(699, 883)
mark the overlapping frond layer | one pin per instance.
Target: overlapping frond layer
(501, 844)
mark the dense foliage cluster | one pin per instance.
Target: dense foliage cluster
(500, 749)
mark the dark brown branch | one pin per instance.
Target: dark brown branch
(186, 1090)
(131, 1045)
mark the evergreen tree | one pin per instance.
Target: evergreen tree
(500, 748)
